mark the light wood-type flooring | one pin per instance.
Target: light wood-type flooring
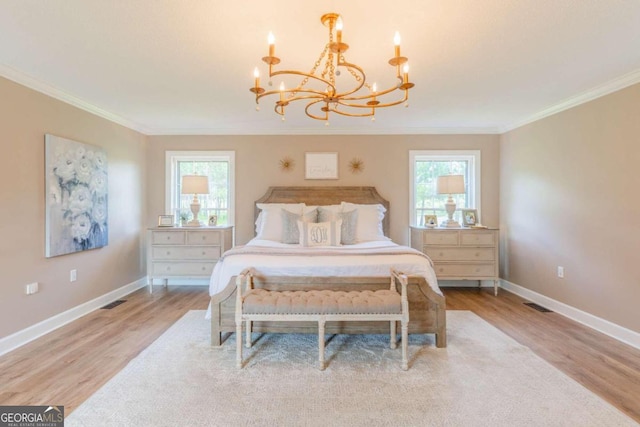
(66, 366)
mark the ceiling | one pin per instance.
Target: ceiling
(185, 67)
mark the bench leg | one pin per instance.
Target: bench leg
(321, 344)
(392, 338)
(405, 344)
(239, 344)
(248, 332)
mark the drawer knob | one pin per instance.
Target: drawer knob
(203, 237)
(168, 268)
(168, 252)
(204, 268)
(441, 254)
(477, 270)
(441, 269)
(168, 237)
(477, 253)
(204, 253)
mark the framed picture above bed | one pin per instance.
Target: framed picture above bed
(321, 166)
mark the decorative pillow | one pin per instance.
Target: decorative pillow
(320, 233)
(369, 222)
(290, 231)
(271, 225)
(349, 223)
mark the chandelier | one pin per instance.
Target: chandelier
(359, 99)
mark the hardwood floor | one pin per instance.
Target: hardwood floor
(68, 365)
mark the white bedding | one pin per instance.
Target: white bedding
(271, 258)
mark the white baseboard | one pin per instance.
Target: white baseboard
(618, 332)
(26, 335)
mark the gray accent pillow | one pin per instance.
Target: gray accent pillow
(349, 223)
(348, 229)
(290, 231)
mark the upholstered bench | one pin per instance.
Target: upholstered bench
(322, 306)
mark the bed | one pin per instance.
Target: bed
(363, 262)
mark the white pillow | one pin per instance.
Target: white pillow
(319, 233)
(369, 225)
(270, 227)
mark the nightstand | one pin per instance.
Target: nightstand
(185, 252)
(460, 253)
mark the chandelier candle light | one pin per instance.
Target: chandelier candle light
(361, 99)
(450, 184)
(195, 184)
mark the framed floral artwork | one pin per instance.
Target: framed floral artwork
(76, 210)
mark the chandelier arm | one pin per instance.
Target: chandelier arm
(344, 113)
(316, 94)
(363, 78)
(381, 105)
(313, 116)
(301, 73)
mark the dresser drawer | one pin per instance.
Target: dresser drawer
(464, 270)
(185, 252)
(183, 268)
(475, 238)
(441, 238)
(203, 238)
(167, 238)
(459, 254)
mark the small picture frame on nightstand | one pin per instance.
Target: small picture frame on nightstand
(469, 217)
(165, 220)
(213, 220)
(430, 221)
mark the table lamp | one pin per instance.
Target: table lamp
(450, 184)
(195, 184)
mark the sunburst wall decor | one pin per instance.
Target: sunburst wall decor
(287, 164)
(356, 165)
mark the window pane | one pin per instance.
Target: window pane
(214, 203)
(427, 201)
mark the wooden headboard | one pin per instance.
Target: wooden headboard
(323, 196)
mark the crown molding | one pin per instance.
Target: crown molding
(39, 86)
(597, 92)
(332, 131)
(594, 93)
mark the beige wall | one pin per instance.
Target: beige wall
(25, 117)
(569, 197)
(386, 162)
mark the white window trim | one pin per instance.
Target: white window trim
(472, 155)
(172, 157)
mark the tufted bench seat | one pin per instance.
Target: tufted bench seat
(322, 306)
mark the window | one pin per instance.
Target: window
(219, 166)
(424, 169)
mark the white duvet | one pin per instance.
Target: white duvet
(270, 258)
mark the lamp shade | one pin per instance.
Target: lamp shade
(195, 184)
(450, 184)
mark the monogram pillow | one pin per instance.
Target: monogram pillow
(320, 233)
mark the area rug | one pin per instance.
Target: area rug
(482, 378)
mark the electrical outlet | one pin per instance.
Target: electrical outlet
(73, 275)
(31, 288)
(561, 272)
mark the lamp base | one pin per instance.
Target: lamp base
(450, 223)
(194, 223)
